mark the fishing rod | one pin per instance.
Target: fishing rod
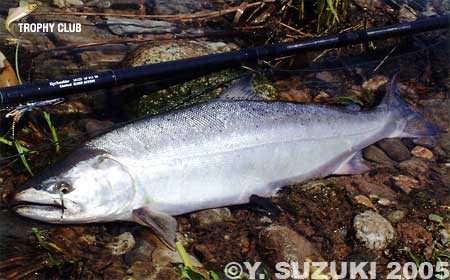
(198, 66)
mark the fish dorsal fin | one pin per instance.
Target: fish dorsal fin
(240, 90)
(164, 225)
(353, 165)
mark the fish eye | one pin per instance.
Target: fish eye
(64, 187)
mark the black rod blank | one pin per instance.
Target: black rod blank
(206, 64)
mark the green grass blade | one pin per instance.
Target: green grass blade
(52, 130)
(183, 254)
(6, 141)
(20, 150)
(333, 11)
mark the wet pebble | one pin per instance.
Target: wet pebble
(373, 230)
(297, 95)
(396, 216)
(422, 152)
(280, 243)
(321, 97)
(212, 216)
(121, 244)
(7, 75)
(445, 234)
(265, 220)
(375, 154)
(364, 200)
(386, 202)
(405, 183)
(375, 83)
(68, 3)
(395, 149)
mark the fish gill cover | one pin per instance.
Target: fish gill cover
(396, 210)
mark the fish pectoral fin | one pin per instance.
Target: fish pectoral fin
(241, 90)
(164, 225)
(353, 165)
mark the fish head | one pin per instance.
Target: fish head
(85, 188)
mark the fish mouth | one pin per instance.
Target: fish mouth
(20, 205)
(43, 206)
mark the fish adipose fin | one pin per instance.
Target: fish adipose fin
(407, 122)
(241, 90)
(165, 226)
(353, 165)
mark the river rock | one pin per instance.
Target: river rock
(364, 200)
(414, 166)
(297, 95)
(282, 244)
(375, 83)
(8, 76)
(170, 7)
(375, 154)
(445, 233)
(374, 231)
(68, 3)
(422, 152)
(321, 97)
(405, 183)
(176, 95)
(395, 149)
(212, 216)
(396, 216)
(121, 244)
(120, 26)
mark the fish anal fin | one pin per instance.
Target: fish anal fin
(164, 225)
(353, 165)
(240, 90)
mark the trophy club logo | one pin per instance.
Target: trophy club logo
(40, 27)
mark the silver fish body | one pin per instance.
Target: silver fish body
(222, 152)
(210, 155)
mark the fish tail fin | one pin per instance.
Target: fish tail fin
(407, 122)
